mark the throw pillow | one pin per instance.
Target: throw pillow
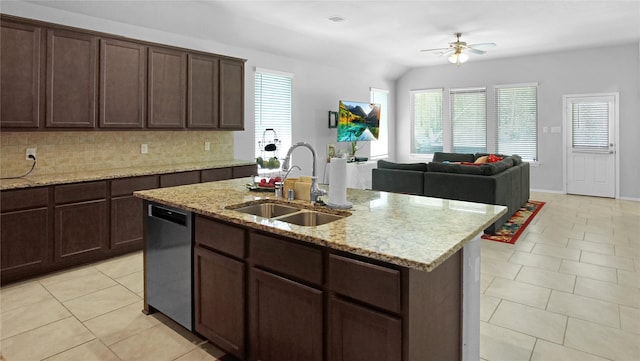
(492, 158)
(482, 160)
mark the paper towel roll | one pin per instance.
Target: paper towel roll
(338, 184)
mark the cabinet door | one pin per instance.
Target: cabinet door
(72, 64)
(231, 94)
(167, 88)
(20, 75)
(219, 300)
(286, 319)
(123, 69)
(126, 222)
(245, 171)
(179, 179)
(359, 334)
(25, 242)
(203, 96)
(80, 230)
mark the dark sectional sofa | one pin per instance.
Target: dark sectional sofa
(505, 182)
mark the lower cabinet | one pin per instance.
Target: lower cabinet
(285, 318)
(25, 239)
(126, 212)
(80, 230)
(360, 334)
(219, 299)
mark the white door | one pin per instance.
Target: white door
(590, 144)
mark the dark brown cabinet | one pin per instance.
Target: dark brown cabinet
(360, 334)
(179, 179)
(80, 221)
(54, 77)
(167, 88)
(231, 94)
(25, 229)
(285, 319)
(210, 175)
(123, 70)
(219, 300)
(21, 52)
(126, 212)
(72, 78)
(245, 171)
(204, 94)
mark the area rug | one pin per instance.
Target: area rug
(513, 228)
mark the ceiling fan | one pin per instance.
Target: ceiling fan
(457, 48)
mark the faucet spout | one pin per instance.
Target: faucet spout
(316, 192)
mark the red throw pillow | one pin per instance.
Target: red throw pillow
(493, 158)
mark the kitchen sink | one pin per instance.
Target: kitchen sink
(310, 218)
(267, 210)
(289, 214)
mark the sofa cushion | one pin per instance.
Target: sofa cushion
(402, 166)
(495, 168)
(453, 157)
(443, 167)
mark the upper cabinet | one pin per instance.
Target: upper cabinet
(71, 86)
(123, 75)
(231, 94)
(204, 92)
(167, 88)
(56, 77)
(20, 75)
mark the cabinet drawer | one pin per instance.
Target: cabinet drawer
(11, 200)
(376, 285)
(79, 192)
(299, 261)
(245, 171)
(220, 236)
(210, 175)
(125, 187)
(178, 179)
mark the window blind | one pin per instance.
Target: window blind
(517, 121)
(469, 120)
(590, 125)
(426, 108)
(272, 111)
(380, 147)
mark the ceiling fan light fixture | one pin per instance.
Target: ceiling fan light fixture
(458, 57)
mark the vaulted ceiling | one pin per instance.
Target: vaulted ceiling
(380, 36)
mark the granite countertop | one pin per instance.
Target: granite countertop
(411, 231)
(63, 178)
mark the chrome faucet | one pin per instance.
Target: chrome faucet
(316, 192)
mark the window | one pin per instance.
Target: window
(427, 122)
(590, 125)
(380, 147)
(272, 111)
(469, 120)
(517, 120)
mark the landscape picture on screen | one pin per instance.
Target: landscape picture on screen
(358, 121)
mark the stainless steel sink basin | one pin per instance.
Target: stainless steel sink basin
(267, 210)
(310, 218)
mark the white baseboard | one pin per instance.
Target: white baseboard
(546, 191)
(629, 199)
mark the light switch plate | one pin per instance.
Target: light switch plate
(144, 148)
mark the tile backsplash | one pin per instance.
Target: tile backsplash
(62, 152)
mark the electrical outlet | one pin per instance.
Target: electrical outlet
(207, 146)
(144, 148)
(30, 151)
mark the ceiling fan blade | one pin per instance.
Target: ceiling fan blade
(481, 46)
(476, 51)
(434, 50)
(448, 52)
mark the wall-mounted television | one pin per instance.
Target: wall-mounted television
(358, 121)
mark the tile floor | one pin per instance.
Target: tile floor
(568, 290)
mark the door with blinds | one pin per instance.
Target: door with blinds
(591, 148)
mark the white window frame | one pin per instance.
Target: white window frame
(444, 109)
(496, 117)
(285, 137)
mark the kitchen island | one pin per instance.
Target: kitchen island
(396, 277)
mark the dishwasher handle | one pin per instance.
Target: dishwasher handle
(168, 215)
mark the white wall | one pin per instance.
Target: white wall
(607, 69)
(316, 88)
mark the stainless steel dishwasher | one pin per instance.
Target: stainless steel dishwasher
(168, 263)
